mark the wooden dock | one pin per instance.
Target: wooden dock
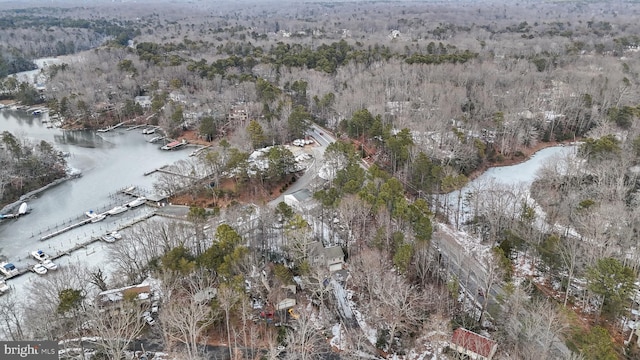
(198, 151)
(110, 127)
(82, 245)
(68, 228)
(147, 173)
(176, 174)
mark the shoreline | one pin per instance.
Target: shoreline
(528, 153)
(32, 193)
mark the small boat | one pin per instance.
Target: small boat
(149, 131)
(155, 139)
(50, 265)
(39, 255)
(39, 269)
(37, 112)
(117, 210)
(108, 238)
(91, 214)
(137, 202)
(23, 208)
(171, 145)
(98, 218)
(8, 269)
(4, 287)
(116, 235)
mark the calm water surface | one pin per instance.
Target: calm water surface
(109, 162)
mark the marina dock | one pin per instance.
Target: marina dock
(110, 127)
(82, 245)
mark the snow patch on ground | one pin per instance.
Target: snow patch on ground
(339, 337)
(471, 244)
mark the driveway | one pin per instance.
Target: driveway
(322, 139)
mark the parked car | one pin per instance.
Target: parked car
(151, 321)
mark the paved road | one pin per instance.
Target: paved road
(323, 139)
(471, 272)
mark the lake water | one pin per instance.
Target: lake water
(108, 161)
(520, 174)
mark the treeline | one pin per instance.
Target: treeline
(26, 166)
(14, 63)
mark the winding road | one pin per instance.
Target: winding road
(322, 139)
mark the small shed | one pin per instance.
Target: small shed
(475, 346)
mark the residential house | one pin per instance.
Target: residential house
(238, 115)
(301, 200)
(332, 257)
(177, 97)
(143, 101)
(475, 346)
(114, 297)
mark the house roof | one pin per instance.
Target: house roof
(141, 290)
(473, 342)
(302, 195)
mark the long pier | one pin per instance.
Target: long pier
(111, 127)
(68, 228)
(147, 173)
(198, 151)
(82, 245)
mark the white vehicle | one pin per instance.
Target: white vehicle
(39, 269)
(50, 265)
(117, 210)
(39, 255)
(149, 320)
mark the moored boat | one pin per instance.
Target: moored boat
(4, 287)
(39, 269)
(137, 202)
(39, 255)
(117, 210)
(8, 269)
(98, 218)
(50, 265)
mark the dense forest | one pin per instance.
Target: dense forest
(27, 166)
(421, 97)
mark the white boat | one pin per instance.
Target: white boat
(108, 238)
(116, 235)
(23, 208)
(137, 202)
(39, 269)
(91, 214)
(117, 210)
(8, 269)
(50, 265)
(155, 139)
(148, 131)
(39, 255)
(98, 218)
(4, 287)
